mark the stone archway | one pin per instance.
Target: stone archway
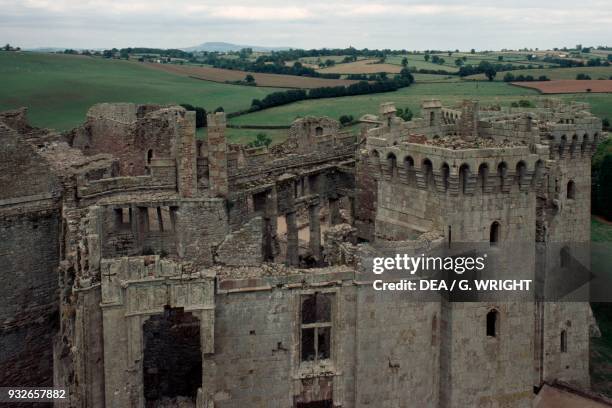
(172, 359)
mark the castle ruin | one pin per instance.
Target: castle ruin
(144, 267)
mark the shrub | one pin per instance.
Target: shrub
(509, 77)
(405, 114)
(261, 139)
(200, 114)
(346, 119)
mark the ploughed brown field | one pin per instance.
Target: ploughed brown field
(361, 67)
(271, 80)
(568, 86)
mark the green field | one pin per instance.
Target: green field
(450, 93)
(421, 78)
(244, 136)
(58, 89)
(418, 61)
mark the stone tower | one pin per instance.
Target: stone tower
(186, 156)
(217, 154)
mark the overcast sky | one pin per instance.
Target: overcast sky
(307, 24)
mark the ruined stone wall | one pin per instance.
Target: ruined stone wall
(132, 138)
(378, 340)
(248, 240)
(566, 222)
(201, 225)
(397, 350)
(19, 162)
(366, 198)
(29, 255)
(305, 132)
(484, 370)
(217, 155)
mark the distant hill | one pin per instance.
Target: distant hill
(223, 47)
(45, 49)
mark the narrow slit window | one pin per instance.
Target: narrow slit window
(492, 323)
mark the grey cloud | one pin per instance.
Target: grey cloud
(372, 24)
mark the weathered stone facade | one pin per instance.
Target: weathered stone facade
(155, 248)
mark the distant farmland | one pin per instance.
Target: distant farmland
(58, 89)
(366, 66)
(568, 86)
(228, 75)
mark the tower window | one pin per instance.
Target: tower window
(563, 341)
(494, 234)
(492, 321)
(571, 190)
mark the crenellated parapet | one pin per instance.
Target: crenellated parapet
(454, 172)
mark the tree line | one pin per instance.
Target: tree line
(360, 88)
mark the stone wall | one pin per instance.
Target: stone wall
(29, 255)
(133, 138)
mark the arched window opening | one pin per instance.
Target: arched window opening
(565, 256)
(562, 145)
(494, 233)
(445, 176)
(318, 131)
(563, 341)
(521, 172)
(149, 156)
(427, 170)
(409, 168)
(492, 323)
(432, 118)
(573, 145)
(538, 171)
(392, 164)
(502, 169)
(585, 143)
(483, 174)
(571, 190)
(464, 172)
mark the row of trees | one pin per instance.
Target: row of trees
(510, 77)
(200, 113)
(488, 68)
(359, 88)
(266, 64)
